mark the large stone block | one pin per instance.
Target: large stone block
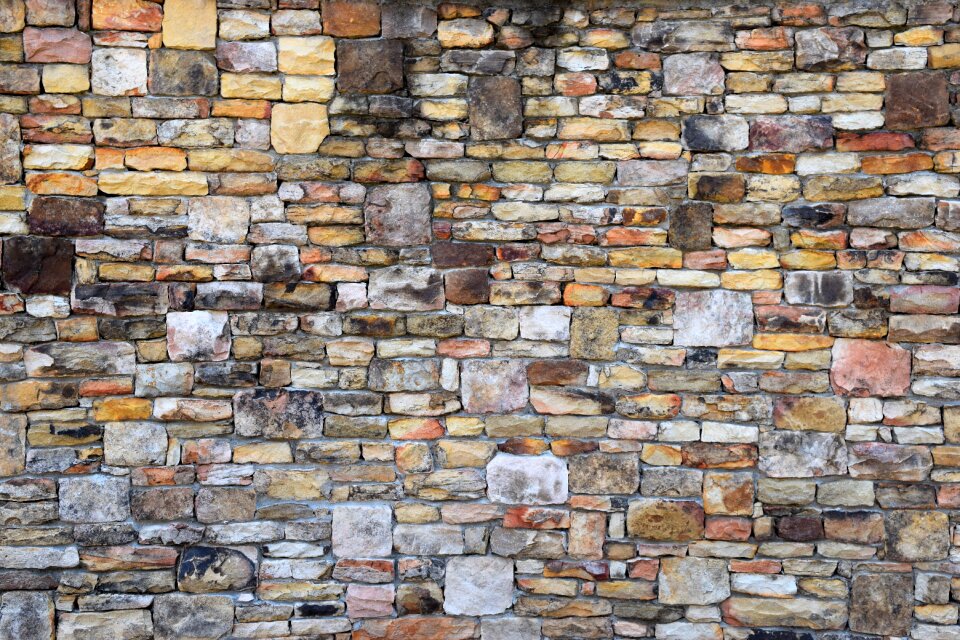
(494, 386)
(513, 479)
(869, 368)
(881, 603)
(198, 335)
(398, 215)
(713, 318)
(693, 581)
(33, 264)
(403, 288)
(90, 499)
(362, 531)
(478, 586)
(369, 66)
(496, 112)
(917, 99)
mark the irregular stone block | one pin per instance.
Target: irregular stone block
(51, 216)
(713, 318)
(881, 603)
(129, 625)
(693, 74)
(791, 134)
(830, 49)
(697, 581)
(494, 386)
(178, 616)
(513, 479)
(198, 335)
(11, 168)
(369, 66)
(915, 100)
(398, 215)
(916, 536)
(96, 498)
(820, 288)
(665, 520)
(802, 454)
(26, 615)
(869, 368)
(210, 569)
(33, 264)
(478, 585)
(604, 473)
(402, 288)
(278, 413)
(362, 531)
(182, 73)
(495, 109)
(691, 226)
(57, 45)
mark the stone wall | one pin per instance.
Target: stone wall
(393, 322)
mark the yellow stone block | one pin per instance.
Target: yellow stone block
(944, 57)
(66, 78)
(308, 88)
(593, 129)
(751, 280)
(335, 236)
(263, 453)
(298, 128)
(153, 183)
(221, 160)
(190, 24)
(791, 341)
(313, 55)
(647, 257)
(250, 86)
(13, 198)
(117, 409)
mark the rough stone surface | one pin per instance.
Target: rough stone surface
(713, 318)
(495, 108)
(513, 479)
(478, 585)
(479, 321)
(398, 215)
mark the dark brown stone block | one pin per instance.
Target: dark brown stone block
(467, 286)
(32, 264)
(495, 108)
(66, 216)
(691, 226)
(369, 66)
(182, 73)
(915, 100)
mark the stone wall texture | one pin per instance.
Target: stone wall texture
(340, 319)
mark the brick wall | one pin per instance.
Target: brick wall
(393, 322)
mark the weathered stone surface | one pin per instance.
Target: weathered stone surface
(693, 74)
(806, 613)
(52, 216)
(356, 74)
(94, 499)
(915, 100)
(298, 128)
(210, 569)
(881, 603)
(513, 479)
(190, 24)
(27, 614)
(713, 318)
(11, 168)
(57, 45)
(119, 72)
(478, 585)
(599, 473)
(188, 616)
(397, 215)
(198, 335)
(33, 264)
(495, 109)
(691, 226)
(791, 454)
(867, 367)
(362, 531)
(693, 581)
(665, 520)
(130, 625)
(182, 73)
(494, 386)
(278, 413)
(405, 289)
(792, 134)
(830, 49)
(914, 536)
(821, 288)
